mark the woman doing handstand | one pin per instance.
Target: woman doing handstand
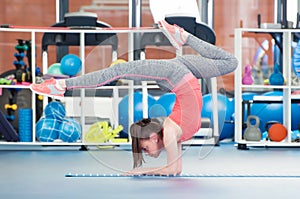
(180, 76)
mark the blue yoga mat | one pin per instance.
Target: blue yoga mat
(101, 175)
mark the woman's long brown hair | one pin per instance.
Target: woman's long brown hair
(142, 130)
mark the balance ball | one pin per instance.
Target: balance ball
(268, 111)
(277, 132)
(167, 101)
(70, 65)
(137, 109)
(55, 69)
(47, 129)
(70, 130)
(118, 61)
(163, 106)
(157, 110)
(55, 110)
(274, 111)
(225, 112)
(248, 95)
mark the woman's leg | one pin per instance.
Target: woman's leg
(213, 61)
(167, 73)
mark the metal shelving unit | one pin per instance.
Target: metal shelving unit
(209, 136)
(286, 100)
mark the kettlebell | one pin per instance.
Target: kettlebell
(252, 132)
(276, 78)
(247, 78)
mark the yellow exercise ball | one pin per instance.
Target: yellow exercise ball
(118, 61)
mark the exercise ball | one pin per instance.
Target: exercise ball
(55, 69)
(118, 61)
(55, 110)
(274, 111)
(70, 130)
(225, 111)
(248, 95)
(268, 111)
(137, 109)
(163, 106)
(277, 132)
(167, 100)
(47, 129)
(70, 65)
(157, 110)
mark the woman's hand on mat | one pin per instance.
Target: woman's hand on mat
(141, 171)
(151, 171)
(134, 172)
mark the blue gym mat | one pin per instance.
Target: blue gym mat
(101, 175)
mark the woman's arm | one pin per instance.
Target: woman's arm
(172, 133)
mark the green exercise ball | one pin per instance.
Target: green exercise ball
(55, 69)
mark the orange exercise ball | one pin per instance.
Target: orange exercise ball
(277, 132)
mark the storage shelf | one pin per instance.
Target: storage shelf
(63, 143)
(270, 143)
(209, 137)
(264, 87)
(267, 31)
(15, 86)
(287, 89)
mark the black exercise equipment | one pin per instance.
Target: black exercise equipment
(200, 30)
(80, 20)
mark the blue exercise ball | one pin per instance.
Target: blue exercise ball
(248, 95)
(268, 111)
(47, 129)
(295, 116)
(274, 111)
(138, 110)
(70, 65)
(167, 100)
(163, 106)
(70, 130)
(225, 112)
(55, 110)
(157, 110)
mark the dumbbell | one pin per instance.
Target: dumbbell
(21, 48)
(10, 117)
(4, 81)
(19, 56)
(19, 63)
(11, 106)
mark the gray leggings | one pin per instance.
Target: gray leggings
(211, 62)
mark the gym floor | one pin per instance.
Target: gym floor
(39, 172)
